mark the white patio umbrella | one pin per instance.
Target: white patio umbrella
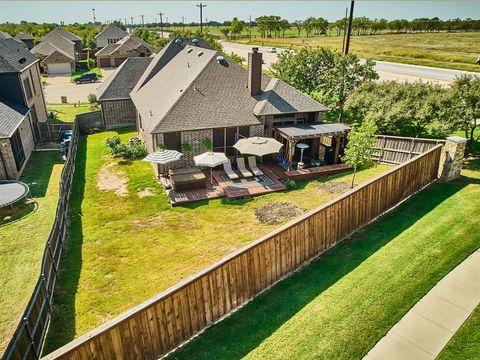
(210, 159)
(163, 157)
(258, 146)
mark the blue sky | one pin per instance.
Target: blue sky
(81, 11)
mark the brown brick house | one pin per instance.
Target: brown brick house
(199, 95)
(113, 55)
(110, 35)
(57, 54)
(23, 113)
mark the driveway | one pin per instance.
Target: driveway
(386, 70)
(60, 85)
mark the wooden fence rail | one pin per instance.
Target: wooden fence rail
(160, 324)
(27, 340)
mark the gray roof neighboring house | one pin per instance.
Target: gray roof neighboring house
(4, 35)
(11, 116)
(129, 42)
(112, 32)
(281, 98)
(14, 57)
(24, 36)
(55, 42)
(62, 32)
(119, 85)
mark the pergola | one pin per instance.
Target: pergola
(324, 132)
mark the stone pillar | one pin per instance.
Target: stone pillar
(452, 158)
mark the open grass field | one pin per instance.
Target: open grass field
(340, 305)
(445, 50)
(124, 248)
(22, 241)
(465, 344)
(67, 112)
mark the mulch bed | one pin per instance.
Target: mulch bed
(277, 212)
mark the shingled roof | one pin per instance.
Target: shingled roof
(112, 31)
(24, 36)
(12, 116)
(130, 42)
(62, 32)
(119, 85)
(14, 57)
(281, 98)
(55, 42)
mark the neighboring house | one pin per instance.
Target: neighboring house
(57, 54)
(67, 35)
(114, 93)
(197, 94)
(111, 35)
(4, 35)
(23, 112)
(27, 39)
(115, 54)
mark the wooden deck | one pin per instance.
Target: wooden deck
(305, 174)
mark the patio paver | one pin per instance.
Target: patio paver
(430, 324)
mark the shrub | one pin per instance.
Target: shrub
(90, 64)
(127, 151)
(291, 184)
(112, 142)
(186, 147)
(207, 144)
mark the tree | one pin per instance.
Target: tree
(327, 75)
(119, 24)
(225, 31)
(360, 147)
(236, 27)
(464, 106)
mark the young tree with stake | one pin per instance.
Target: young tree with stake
(361, 146)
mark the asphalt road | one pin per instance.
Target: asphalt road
(386, 70)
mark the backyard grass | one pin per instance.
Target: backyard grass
(465, 344)
(22, 241)
(124, 249)
(67, 112)
(340, 305)
(445, 50)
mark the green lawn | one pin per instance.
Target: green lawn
(445, 50)
(339, 306)
(465, 344)
(95, 70)
(22, 241)
(124, 249)
(67, 112)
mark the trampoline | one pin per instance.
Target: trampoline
(12, 192)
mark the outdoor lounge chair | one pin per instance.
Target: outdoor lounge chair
(228, 169)
(252, 164)
(242, 168)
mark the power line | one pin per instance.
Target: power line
(201, 6)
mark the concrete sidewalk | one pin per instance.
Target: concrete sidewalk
(426, 329)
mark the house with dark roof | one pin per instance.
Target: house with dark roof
(23, 112)
(113, 55)
(190, 93)
(58, 51)
(27, 39)
(110, 35)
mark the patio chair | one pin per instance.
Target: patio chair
(242, 168)
(252, 164)
(228, 169)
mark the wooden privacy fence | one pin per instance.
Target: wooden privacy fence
(27, 340)
(396, 150)
(160, 324)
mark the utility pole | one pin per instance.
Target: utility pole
(349, 31)
(183, 21)
(131, 19)
(94, 19)
(161, 22)
(345, 29)
(201, 6)
(125, 20)
(143, 23)
(250, 27)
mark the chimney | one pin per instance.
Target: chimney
(255, 71)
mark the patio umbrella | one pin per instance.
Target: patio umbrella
(210, 159)
(258, 146)
(163, 157)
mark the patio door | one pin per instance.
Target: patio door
(225, 138)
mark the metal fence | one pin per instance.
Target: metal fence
(27, 340)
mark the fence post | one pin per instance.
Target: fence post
(30, 337)
(452, 158)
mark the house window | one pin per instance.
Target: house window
(28, 89)
(17, 148)
(173, 140)
(33, 84)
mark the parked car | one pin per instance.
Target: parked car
(87, 77)
(272, 50)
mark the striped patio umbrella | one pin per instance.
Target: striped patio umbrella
(163, 157)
